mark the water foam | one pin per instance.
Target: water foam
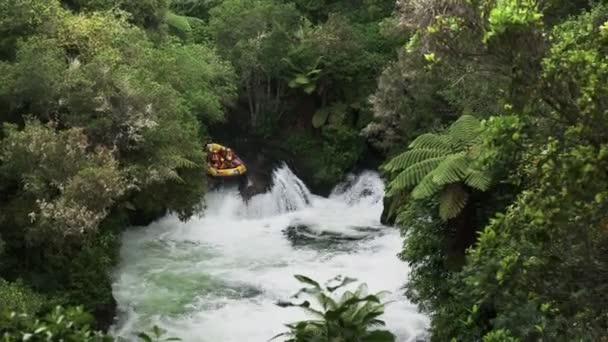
(217, 277)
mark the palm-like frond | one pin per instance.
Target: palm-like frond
(466, 129)
(432, 141)
(413, 175)
(452, 169)
(184, 163)
(452, 200)
(410, 157)
(478, 180)
(425, 188)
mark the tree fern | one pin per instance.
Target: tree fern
(441, 164)
(452, 199)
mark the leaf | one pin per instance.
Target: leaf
(337, 113)
(157, 331)
(478, 180)
(309, 89)
(426, 188)
(345, 281)
(320, 118)
(370, 316)
(301, 80)
(465, 129)
(144, 337)
(432, 141)
(306, 280)
(411, 157)
(178, 22)
(313, 72)
(282, 334)
(451, 170)
(414, 174)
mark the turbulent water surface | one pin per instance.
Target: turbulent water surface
(217, 278)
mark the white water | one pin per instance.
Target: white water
(217, 278)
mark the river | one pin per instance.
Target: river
(216, 278)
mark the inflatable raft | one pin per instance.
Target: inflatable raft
(222, 162)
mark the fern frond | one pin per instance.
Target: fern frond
(465, 130)
(452, 200)
(478, 180)
(426, 188)
(452, 169)
(431, 141)
(414, 174)
(184, 163)
(411, 157)
(172, 175)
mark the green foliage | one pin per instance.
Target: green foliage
(305, 78)
(499, 336)
(15, 297)
(574, 70)
(36, 77)
(511, 15)
(62, 324)
(537, 269)
(442, 164)
(71, 324)
(425, 249)
(334, 114)
(512, 271)
(255, 36)
(103, 115)
(70, 188)
(204, 81)
(147, 13)
(328, 159)
(351, 317)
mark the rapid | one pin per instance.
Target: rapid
(217, 277)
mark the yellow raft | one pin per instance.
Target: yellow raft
(237, 166)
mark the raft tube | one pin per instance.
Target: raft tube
(235, 171)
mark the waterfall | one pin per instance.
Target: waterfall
(217, 277)
(288, 193)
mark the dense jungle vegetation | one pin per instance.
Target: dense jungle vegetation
(491, 117)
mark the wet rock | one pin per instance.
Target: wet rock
(105, 315)
(386, 218)
(304, 236)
